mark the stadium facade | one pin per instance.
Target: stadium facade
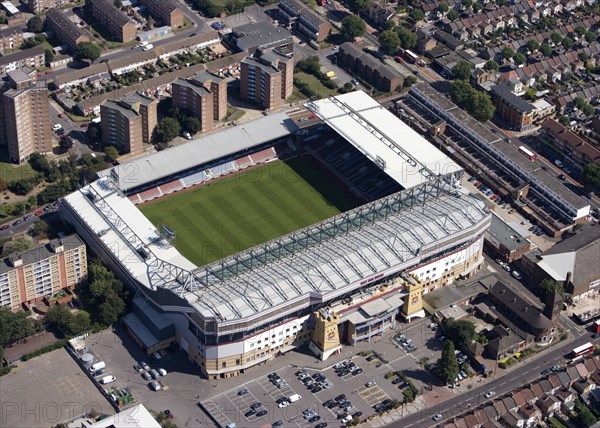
(343, 280)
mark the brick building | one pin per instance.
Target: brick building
(129, 123)
(10, 38)
(26, 126)
(515, 111)
(267, 78)
(165, 10)
(41, 272)
(368, 68)
(118, 24)
(64, 29)
(40, 6)
(32, 58)
(305, 20)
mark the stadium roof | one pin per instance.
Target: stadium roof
(402, 153)
(203, 150)
(311, 266)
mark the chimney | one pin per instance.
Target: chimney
(15, 260)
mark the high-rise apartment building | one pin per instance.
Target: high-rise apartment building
(205, 95)
(267, 78)
(25, 114)
(129, 123)
(28, 276)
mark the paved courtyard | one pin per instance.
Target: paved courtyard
(48, 390)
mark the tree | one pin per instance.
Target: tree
(585, 418)
(564, 120)
(477, 7)
(94, 132)
(48, 55)
(65, 142)
(520, 58)
(447, 366)
(13, 326)
(533, 45)
(21, 187)
(590, 37)
(461, 332)
(591, 175)
(35, 25)
(462, 70)
(167, 129)
(546, 49)
(358, 5)
(309, 65)
(556, 37)
(491, 65)
(530, 94)
(88, 50)
(40, 228)
(416, 14)
(409, 81)
(103, 294)
(583, 56)
(3, 18)
(549, 286)
(588, 109)
(567, 43)
(580, 30)
(59, 319)
(461, 92)
(111, 153)
(452, 15)
(443, 7)
(118, 4)
(407, 38)
(353, 26)
(389, 41)
(508, 53)
(191, 125)
(482, 107)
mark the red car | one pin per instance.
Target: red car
(6, 226)
(39, 212)
(478, 183)
(61, 115)
(398, 59)
(312, 116)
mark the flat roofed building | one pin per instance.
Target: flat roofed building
(505, 241)
(25, 116)
(166, 10)
(218, 86)
(517, 112)
(10, 38)
(33, 58)
(261, 35)
(197, 99)
(31, 275)
(129, 123)
(368, 68)
(305, 20)
(118, 24)
(65, 29)
(134, 417)
(267, 78)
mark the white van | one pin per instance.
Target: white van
(148, 47)
(56, 127)
(107, 379)
(97, 367)
(294, 398)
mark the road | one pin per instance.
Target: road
(513, 379)
(75, 130)
(26, 225)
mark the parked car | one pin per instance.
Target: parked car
(155, 386)
(437, 417)
(516, 274)
(262, 413)
(490, 394)
(146, 376)
(243, 391)
(144, 365)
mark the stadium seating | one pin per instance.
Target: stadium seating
(171, 187)
(193, 179)
(362, 175)
(135, 199)
(263, 156)
(243, 163)
(148, 195)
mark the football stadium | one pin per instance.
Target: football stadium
(250, 242)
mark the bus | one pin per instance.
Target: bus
(524, 150)
(582, 350)
(410, 56)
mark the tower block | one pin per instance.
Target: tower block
(413, 303)
(326, 338)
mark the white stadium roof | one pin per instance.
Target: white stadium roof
(214, 146)
(405, 155)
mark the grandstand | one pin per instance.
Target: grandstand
(242, 310)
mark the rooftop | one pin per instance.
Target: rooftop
(21, 55)
(401, 152)
(203, 150)
(135, 417)
(503, 91)
(443, 297)
(261, 34)
(521, 308)
(506, 235)
(40, 253)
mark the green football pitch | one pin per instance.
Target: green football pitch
(219, 219)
